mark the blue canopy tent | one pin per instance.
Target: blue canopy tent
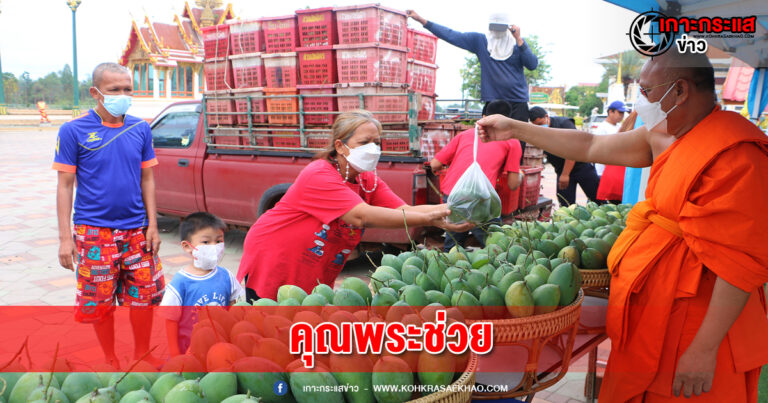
(753, 51)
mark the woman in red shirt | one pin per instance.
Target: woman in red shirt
(611, 187)
(310, 233)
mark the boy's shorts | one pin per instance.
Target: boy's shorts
(114, 263)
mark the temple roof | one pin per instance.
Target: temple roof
(166, 44)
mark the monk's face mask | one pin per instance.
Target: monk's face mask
(654, 118)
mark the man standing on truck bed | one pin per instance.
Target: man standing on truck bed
(115, 241)
(502, 53)
(494, 159)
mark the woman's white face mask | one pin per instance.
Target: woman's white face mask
(364, 158)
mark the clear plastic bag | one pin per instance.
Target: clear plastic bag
(473, 198)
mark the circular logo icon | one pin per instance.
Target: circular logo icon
(280, 388)
(645, 37)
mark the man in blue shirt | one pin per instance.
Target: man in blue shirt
(502, 53)
(115, 240)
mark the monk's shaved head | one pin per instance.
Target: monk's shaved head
(694, 67)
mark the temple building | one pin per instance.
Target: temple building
(166, 59)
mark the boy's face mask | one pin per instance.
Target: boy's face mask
(207, 256)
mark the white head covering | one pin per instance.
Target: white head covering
(500, 44)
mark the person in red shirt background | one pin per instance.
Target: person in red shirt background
(308, 236)
(611, 189)
(494, 159)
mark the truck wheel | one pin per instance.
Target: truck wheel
(271, 197)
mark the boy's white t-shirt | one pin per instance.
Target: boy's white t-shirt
(603, 128)
(188, 291)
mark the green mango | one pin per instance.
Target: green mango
(314, 300)
(430, 366)
(468, 304)
(541, 271)
(560, 241)
(325, 290)
(610, 238)
(48, 394)
(290, 291)
(132, 381)
(164, 384)
(217, 386)
(414, 295)
(358, 383)
(381, 279)
(265, 302)
(388, 290)
(11, 378)
(450, 274)
(434, 296)
(568, 278)
(435, 271)
(592, 259)
(487, 270)
(600, 245)
(261, 383)
(476, 278)
(303, 381)
(77, 384)
(347, 297)
(555, 262)
(359, 286)
(463, 264)
(509, 279)
(492, 301)
(381, 303)
(425, 282)
(548, 248)
(141, 395)
(414, 261)
(391, 261)
(105, 395)
(514, 252)
(390, 270)
(533, 281)
(28, 383)
(519, 300)
(588, 233)
(570, 254)
(481, 259)
(546, 298)
(544, 262)
(391, 375)
(402, 257)
(183, 396)
(396, 284)
(499, 273)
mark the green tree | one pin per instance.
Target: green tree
(583, 97)
(631, 64)
(11, 88)
(470, 73)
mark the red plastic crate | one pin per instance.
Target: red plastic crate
(287, 137)
(318, 104)
(510, 199)
(229, 139)
(434, 136)
(245, 36)
(281, 70)
(317, 65)
(427, 108)
(422, 76)
(257, 138)
(318, 140)
(371, 23)
(214, 105)
(282, 104)
(218, 75)
(395, 143)
(422, 46)
(215, 41)
(280, 34)
(248, 70)
(529, 189)
(371, 63)
(383, 103)
(317, 27)
(258, 105)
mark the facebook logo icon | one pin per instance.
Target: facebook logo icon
(280, 388)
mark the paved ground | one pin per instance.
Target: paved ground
(29, 269)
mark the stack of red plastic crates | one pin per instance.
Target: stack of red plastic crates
(422, 70)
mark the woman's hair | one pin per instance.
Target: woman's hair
(343, 129)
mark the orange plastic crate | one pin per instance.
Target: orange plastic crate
(282, 105)
(371, 23)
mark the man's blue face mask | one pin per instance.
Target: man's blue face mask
(116, 105)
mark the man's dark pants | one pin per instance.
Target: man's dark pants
(586, 177)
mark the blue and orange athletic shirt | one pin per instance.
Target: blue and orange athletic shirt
(107, 160)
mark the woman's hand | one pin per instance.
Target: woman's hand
(416, 17)
(496, 128)
(437, 218)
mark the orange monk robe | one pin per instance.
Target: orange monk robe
(704, 217)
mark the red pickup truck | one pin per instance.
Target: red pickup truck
(240, 184)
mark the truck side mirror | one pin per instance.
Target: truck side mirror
(199, 108)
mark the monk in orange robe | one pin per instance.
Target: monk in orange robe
(687, 311)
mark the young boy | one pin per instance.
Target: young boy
(198, 284)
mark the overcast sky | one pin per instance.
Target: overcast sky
(36, 35)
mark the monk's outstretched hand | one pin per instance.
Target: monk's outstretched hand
(695, 371)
